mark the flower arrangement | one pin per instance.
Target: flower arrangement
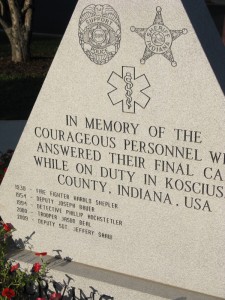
(21, 284)
(15, 282)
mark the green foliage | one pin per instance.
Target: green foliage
(4, 162)
(18, 105)
(20, 83)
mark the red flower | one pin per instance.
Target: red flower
(55, 296)
(41, 298)
(9, 293)
(36, 267)
(14, 268)
(41, 253)
(8, 227)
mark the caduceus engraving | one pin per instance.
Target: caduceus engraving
(128, 88)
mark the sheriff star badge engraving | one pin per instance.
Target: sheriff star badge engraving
(158, 38)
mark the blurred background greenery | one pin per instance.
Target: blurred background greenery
(20, 83)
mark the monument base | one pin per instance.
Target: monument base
(87, 282)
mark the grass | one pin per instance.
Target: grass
(21, 83)
(44, 46)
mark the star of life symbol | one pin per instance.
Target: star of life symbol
(158, 38)
(129, 90)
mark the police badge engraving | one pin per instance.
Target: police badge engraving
(99, 33)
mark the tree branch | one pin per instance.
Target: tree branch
(14, 12)
(2, 10)
(6, 28)
(28, 8)
(28, 4)
(4, 23)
